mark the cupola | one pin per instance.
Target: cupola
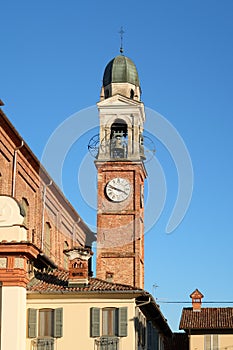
(121, 77)
(196, 300)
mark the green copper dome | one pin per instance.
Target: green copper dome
(120, 70)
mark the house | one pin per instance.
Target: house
(208, 328)
(65, 309)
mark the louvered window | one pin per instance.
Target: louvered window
(95, 322)
(140, 323)
(32, 323)
(122, 318)
(45, 323)
(113, 322)
(211, 342)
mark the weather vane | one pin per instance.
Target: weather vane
(121, 36)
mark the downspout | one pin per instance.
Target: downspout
(43, 213)
(144, 303)
(14, 167)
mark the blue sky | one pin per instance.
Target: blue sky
(53, 54)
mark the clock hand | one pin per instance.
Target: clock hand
(118, 189)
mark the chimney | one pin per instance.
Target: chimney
(78, 266)
(196, 300)
(109, 276)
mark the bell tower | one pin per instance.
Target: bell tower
(121, 175)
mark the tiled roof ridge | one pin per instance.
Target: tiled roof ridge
(57, 280)
(209, 308)
(117, 284)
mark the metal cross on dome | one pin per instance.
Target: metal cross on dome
(121, 32)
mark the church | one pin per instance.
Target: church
(49, 298)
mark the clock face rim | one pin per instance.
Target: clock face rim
(123, 193)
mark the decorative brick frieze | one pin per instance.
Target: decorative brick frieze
(14, 258)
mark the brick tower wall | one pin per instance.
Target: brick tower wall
(120, 226)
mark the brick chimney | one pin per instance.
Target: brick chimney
(78, 265)
(196, 300)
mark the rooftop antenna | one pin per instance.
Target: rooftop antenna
(154, 288)
(121, 36)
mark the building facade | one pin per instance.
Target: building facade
(208, 328)
(99, 315)
(52, 223)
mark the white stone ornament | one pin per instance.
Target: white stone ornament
(118, 189)
(11, 221)
(9, 212)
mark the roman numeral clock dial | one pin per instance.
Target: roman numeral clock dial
(118, 189)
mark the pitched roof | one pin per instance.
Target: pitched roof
(57, 281)
(207, 318)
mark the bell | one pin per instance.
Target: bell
(118, 143)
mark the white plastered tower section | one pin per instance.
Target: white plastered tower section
(15, 252)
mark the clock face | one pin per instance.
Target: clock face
(118, 189)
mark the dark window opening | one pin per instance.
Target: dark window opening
(119, 139)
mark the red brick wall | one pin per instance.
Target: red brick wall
(30, 182)
(120, 227)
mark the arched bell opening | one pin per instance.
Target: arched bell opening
(119, 139)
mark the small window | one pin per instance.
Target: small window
(131, 94)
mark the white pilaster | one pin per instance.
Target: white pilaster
(13, 318)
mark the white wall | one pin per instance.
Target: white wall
(13, 330)
(76, 321)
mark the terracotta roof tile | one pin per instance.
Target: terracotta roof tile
(57, 281)
(207, 318)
